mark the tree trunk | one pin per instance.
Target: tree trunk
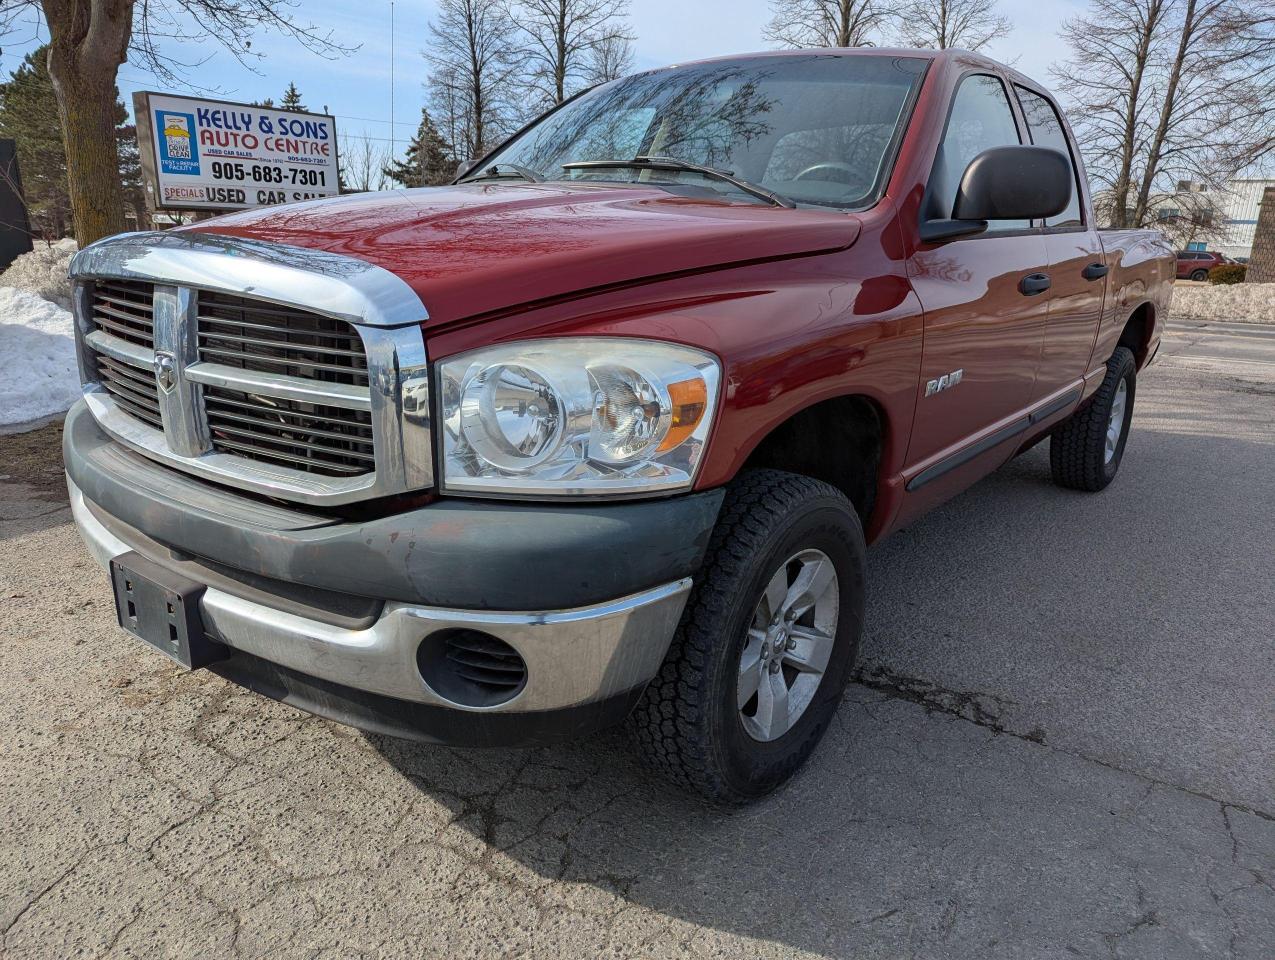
(1142, 56)
(1167, 109)
(86, 106)
(87, 43)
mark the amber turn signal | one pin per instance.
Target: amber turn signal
(690, 400)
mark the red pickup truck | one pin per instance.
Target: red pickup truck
(600, 432)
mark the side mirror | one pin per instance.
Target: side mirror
(1014, 183)
(464, 167)
(1006, 183)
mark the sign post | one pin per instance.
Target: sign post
(202, 154)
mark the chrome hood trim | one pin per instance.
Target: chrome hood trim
(328, 283)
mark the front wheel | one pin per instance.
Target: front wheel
(766, 643)
(1086, 450)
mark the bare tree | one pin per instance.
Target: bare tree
(363, 164)
(942, 24)
(90, 39)
(473, 83)
(1168, 92)
(561, 37)
(825, 23)
(610, 58)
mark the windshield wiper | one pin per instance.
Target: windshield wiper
(672, 163)
(494, 172)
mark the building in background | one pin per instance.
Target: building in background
(1238, 204)
(1200, 217)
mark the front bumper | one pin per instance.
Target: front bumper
(602, 655)
(585, 665)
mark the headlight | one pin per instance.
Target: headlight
(581, 417)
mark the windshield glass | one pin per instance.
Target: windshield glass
(817, 129)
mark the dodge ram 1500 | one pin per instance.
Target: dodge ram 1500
(598, 433)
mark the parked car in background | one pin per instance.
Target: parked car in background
(602, 430)
(1196, 264)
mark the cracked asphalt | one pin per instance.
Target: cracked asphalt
(1062, 744)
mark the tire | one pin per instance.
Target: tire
(1200, 275)
(690, 725)
(1079, 457)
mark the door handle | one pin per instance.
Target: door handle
(1033, 284)
(1095, 271)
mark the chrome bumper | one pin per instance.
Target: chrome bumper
(573, 657)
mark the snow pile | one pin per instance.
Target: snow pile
(43, 271)
(38, 374)
(1254, 302)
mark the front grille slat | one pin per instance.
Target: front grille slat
(331, 420)
(284, 361)
(323, 429)
(206, 321)
(245, 342)
(117, 385)
(291, 441)
(276, 425)
(142, 318)
(146, 416)
(263, 453)
(129, 373)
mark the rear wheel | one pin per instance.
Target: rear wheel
(1199, 275)
(1086, 450)
(766, 643)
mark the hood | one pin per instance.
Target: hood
(481, 248)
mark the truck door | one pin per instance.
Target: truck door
(984, 325)
(1077, 269)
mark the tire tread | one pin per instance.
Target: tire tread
(671, 724)
(1076, 448)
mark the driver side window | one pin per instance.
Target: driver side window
(981, 118)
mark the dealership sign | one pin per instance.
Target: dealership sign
(210, 155)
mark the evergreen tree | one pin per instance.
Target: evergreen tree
(28, 115)
(28, 111)
(430, 160)
(291, 99)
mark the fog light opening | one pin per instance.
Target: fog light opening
(471, 668)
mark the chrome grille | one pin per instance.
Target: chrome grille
(261, 336)
(124, 309)
(244, 362)
(134, 389)
(306, 436)
(282, 341)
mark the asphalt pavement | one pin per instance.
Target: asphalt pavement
(1061, 744)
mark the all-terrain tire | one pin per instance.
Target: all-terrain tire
(1078, 456)
(688, 724)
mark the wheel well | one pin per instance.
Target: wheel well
(1137, 333)
(838, 441)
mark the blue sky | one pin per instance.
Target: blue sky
(357, 88)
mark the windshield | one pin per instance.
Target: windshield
(817, 129)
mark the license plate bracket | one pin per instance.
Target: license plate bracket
(161, 608)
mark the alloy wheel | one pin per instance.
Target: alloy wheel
(1115, 422)
(790, 640)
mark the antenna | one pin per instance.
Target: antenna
(393, 151)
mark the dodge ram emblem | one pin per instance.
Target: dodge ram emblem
(165, 371)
